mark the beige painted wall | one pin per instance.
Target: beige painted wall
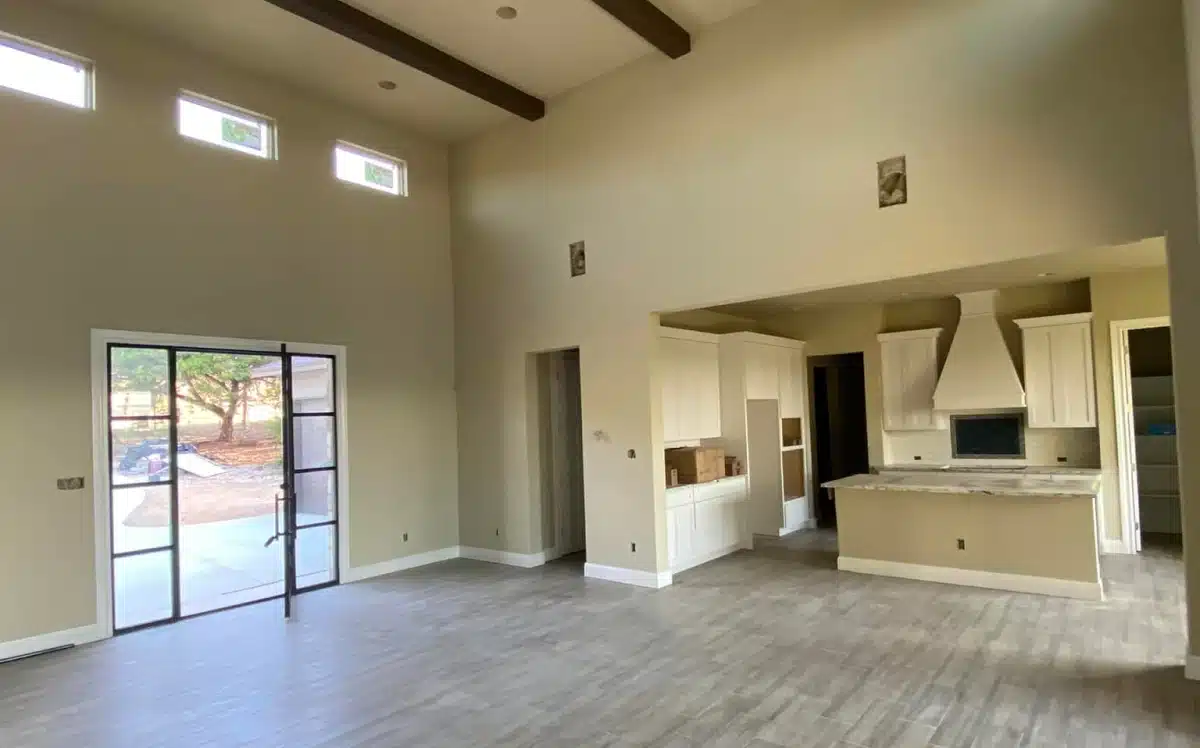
(111, 220)
(746, 169)
(912, 527)
(1118, 296)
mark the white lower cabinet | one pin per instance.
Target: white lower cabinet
(680, 523)
(705, 522)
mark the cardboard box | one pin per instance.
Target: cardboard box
(696, 464)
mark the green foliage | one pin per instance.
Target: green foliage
(216, 382)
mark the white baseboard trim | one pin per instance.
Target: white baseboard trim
(1191, 671)
(808, 524)
(628, 576)
(359, 573)
(1109, 546)
(972, 578)
(508, 558)
(45, 642)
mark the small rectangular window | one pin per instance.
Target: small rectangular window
(226, 126)
(34, 69)
(367, 168)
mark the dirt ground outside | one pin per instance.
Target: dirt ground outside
(247, 488)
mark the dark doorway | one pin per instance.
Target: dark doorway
(839, 423)
(561, 444)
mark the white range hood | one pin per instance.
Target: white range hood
(979, 373)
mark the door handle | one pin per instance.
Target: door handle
(279, 499)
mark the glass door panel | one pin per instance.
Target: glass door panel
(316, 556)
(230, 465)
(142, 481)
(313, 398)
(143, 589)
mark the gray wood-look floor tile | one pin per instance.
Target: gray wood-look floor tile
(769, 649)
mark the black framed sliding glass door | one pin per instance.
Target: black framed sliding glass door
(214, 456)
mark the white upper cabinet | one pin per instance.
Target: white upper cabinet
(776, 372)
(691, 385)
(1060, 385)
(762, 372)
(793, 378)
(910, 372)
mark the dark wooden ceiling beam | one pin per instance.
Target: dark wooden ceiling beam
(386, 39)
(647, 21)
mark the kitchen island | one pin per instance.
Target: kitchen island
(1032, 531)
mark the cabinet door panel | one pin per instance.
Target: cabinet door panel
(1070, 357)
(671, 366)
(685, 532)
(708, 527)
(762, 372)
(909, 380)
(691, 406)
(797, 385)
(1039, 377)
(708, 391)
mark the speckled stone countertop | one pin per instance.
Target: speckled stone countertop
(918, 467)
(1019, 484)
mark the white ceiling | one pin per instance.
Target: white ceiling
(1053, 268)
(551, 47)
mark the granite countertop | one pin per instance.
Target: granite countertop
(919, 467)
(962, 482)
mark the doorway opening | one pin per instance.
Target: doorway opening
(839, 397)
(220, 483)
(1145, 404)
(560, 432)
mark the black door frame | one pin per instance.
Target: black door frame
(291, 589)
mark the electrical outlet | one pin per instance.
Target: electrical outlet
(962, 544)
(916, 458)
(1062, 459)
(632, 454)
(633, 547)
(405, 537)
(70, 484)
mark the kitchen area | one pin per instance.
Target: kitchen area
(985, 431)
(995, 515)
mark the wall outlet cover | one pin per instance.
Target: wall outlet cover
(70, 484)
(578, 259)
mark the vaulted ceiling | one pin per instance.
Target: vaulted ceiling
(551, 47)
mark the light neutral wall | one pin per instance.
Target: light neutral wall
(747, 169)
(1118, 296)
(111, 220)
(923, 528)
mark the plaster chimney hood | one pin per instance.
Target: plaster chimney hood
(979, 373)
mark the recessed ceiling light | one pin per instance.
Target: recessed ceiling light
(387, 85)
(507, 12)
